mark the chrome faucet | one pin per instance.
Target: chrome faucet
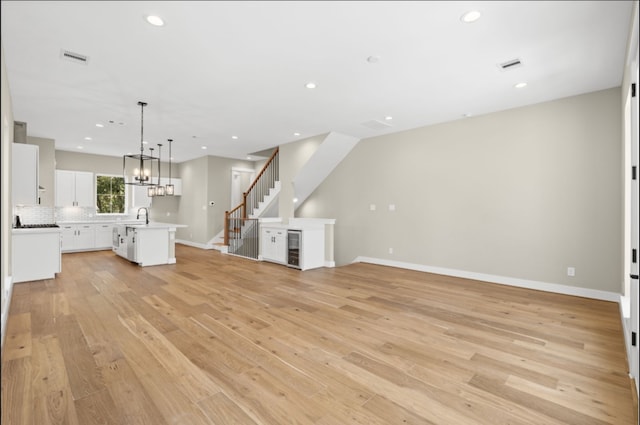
(146, 214)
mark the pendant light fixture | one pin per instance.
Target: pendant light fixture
(137, 169)
(159, 188)
(169, 188)
(151, 190)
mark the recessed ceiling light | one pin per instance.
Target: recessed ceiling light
(99, 125)
(155, 20)
(295, 200)
(310, 85)
(296, 134)
(87, 138)
(80, 147)
(144, 142)
(470, 16)
(388, 118)
(234, 137)
(248, 157)
(204, 147)
(520, 85)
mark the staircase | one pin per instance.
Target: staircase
(240, 234)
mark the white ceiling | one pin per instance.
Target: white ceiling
(221, 69)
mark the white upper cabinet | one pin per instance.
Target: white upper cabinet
(141, 199)
(24, 174)
(74, 189)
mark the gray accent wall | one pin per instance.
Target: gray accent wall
(523, 193)
(204, 180)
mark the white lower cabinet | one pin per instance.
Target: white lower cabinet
(35, 255)
(311, 254)
(301, 247)
(104, 236)
(273, 244)
(78, 237)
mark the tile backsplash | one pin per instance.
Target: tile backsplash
(47, 215)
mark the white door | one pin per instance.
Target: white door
(241, 179)
(633, 221)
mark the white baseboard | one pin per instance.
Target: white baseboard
(502, 280)
(330, 264)
(195, 244)
(6, 299)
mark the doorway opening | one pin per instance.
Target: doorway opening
(241, 179)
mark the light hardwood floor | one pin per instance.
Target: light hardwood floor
(218, 339)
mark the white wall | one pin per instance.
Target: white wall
(6, 222)
(522, 194)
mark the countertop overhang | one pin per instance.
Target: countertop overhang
(36, 230)
(155, 225)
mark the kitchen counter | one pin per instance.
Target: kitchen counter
(38, 230)
(115, 221)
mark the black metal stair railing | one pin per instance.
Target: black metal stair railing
(240, 231)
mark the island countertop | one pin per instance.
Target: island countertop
(155, 225)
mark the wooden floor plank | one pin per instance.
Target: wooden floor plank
(98, 408)
(217, 339)
(17, 394)
(129, 396)
(222, 410)
(52, 397)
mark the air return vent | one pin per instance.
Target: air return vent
(74, 57)
(514, 63)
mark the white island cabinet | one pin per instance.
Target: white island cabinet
(146, 244)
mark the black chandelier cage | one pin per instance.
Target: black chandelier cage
(141, 169)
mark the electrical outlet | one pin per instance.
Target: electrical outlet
(571, 271)
(390, 250)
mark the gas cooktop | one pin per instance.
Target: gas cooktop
(35, 226)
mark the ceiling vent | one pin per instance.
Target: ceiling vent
(377, 125)
(514, 63)
(74, 57)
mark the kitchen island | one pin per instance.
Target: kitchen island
(146, 244)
